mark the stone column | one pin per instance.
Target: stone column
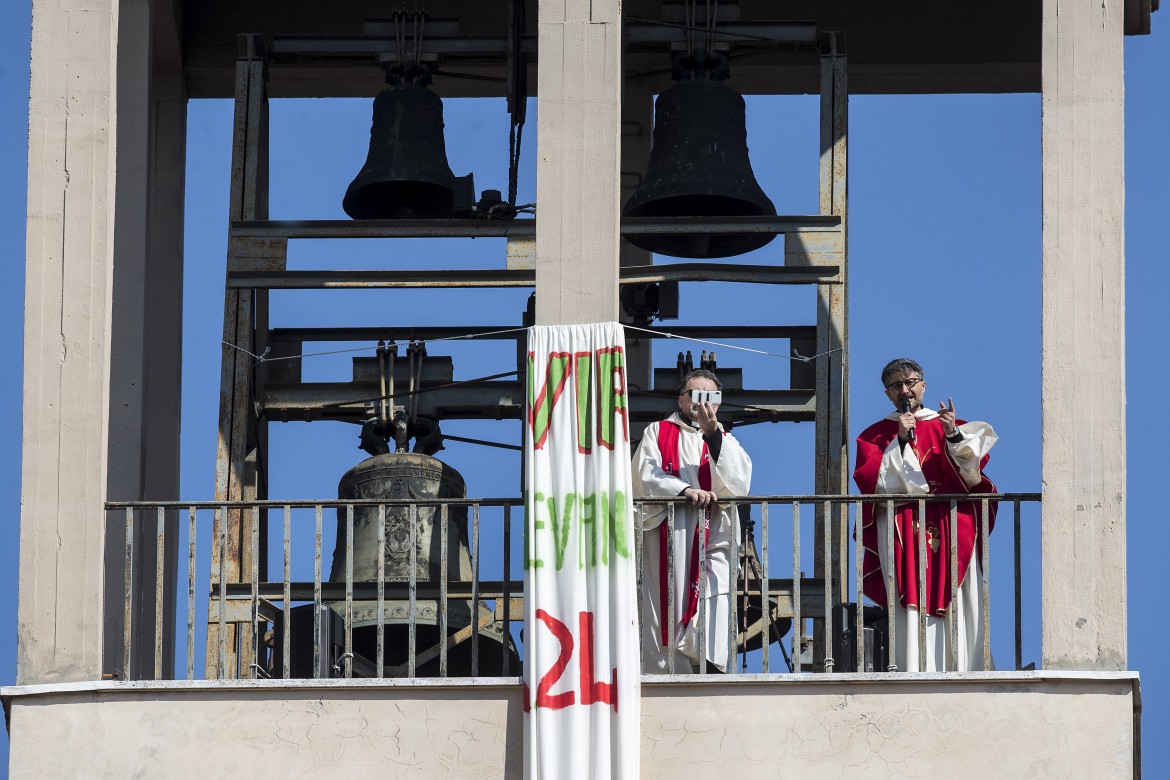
(102, 334)
(68, 286)
(578, 171)
(1083, 323)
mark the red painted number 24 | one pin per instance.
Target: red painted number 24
(592, 690)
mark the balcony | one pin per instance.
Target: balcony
(444, 562)
(771, 714)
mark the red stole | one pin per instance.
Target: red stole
(943, 476)
(668, 434)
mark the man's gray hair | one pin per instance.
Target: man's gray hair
(697, 374)
(901, 366)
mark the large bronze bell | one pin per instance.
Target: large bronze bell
(405, 475)
(406, 175)
(699, 168)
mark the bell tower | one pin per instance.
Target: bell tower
(156, 630)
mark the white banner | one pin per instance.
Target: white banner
(581, 673)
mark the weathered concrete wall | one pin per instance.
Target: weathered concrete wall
(1006, 725)
(1074, 728)
(361, 732)
(1083, 343)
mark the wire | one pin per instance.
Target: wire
(725, 405)
(500, 445)
(420, 391)
(470, 76)
(660, 71)
(796, 356)
(263, 356)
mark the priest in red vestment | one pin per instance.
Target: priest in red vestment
(920, 451)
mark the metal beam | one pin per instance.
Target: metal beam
(720, 272)
(832, 371)
(504, 400)
(522, 228)
(507, 277)
(379, 39)
(240, 435)
(653, 36)
(781, 588)
(488, 332)
(324, 280)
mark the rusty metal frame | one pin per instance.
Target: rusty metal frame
(239, 472)
(257, 252)
(832, 371)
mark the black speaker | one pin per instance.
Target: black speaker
(845, 638)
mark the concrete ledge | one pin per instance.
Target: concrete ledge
(10, 692)
(1005, 724)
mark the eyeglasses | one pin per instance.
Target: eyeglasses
(909, 384)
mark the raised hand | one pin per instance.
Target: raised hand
(705, 415)
(947, 415)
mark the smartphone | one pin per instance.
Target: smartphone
(708, 396)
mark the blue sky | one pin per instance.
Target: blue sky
(944, 201)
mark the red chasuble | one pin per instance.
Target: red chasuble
(942, 474)
(668, 434)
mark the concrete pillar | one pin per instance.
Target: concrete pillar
(127, 388)
(68, 286)
(1083, 323)
(577, 178)
(146, 344)
(162, 338)
(102, 335)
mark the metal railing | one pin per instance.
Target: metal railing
(248, 626)
(819, 598)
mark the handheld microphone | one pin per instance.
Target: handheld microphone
(905, 408)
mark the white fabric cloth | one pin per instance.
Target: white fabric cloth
(580, 580)
(900, 472)
(731, 476)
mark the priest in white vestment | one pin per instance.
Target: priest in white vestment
(689, 455)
